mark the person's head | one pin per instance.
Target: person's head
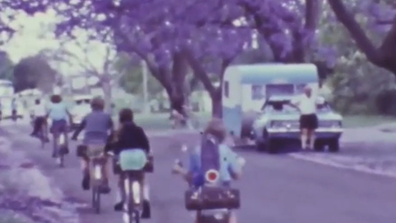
(56, 98)
(217, 129)
(125, 115)
(307, 90)
(37, 101)
(97, 104)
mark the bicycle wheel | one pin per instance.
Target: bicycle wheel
(42, 138)
(96, 199)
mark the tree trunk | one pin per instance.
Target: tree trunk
(217, 107)
(106, 87)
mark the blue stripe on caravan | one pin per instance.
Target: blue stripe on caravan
(292, 73)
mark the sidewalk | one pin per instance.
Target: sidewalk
(26, 195)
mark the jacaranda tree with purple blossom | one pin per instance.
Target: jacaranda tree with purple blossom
(206, 36)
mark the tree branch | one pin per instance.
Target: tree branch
(199, 71)
(355, 30)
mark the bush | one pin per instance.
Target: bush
(386, 102)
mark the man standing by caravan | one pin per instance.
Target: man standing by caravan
(306, 104)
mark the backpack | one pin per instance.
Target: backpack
(210, 197)
(210, 154)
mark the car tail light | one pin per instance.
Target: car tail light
(212, 176)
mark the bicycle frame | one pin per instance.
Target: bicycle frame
(132, 190)
(59, 141)
(97, 181)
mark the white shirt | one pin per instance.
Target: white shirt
(39, 110)
(307, 105)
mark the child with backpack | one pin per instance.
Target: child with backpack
(213, 153)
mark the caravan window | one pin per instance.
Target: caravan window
(279, 89)
(226, 89)
(257, 92)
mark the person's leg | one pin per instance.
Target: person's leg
(303, 132)
(36, 126)
(85, 168)
(311, 138)
(55, 145)
(65, 133)
(120, 194)
(45, 129)
(304, 138)
(105, 174)
(145, 192)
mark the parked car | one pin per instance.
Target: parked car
(279, 122)
(81, 108)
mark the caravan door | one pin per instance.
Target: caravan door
(232, 109)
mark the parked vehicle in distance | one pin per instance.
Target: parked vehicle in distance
(279, 122)
(81, 108)
(246, 87)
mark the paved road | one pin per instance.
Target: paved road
(276, 189)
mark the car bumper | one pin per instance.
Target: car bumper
(320, 133)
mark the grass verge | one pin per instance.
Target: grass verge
(160, 121)
(362, 121)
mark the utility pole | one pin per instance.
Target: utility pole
(146, 109)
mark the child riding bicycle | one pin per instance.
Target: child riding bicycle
(230, 166)
(98, 126)
(59, 116)
(131, 138)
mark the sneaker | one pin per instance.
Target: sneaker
(85, 181)
(118, 206)
(146, 212)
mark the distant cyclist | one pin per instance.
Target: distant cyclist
(14, 107)
(131, 137)
(98, 126)
(230, 167)
(59, 116)
(39, 112)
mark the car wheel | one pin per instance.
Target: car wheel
(260, 146)
(319, 145)
(334, 145)
(272, 146)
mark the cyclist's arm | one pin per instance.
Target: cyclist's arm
(68, 113)
(79, 128)
(111, 126)
(234, 167)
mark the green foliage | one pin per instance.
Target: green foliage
(132, 79)
(6, 66)
(34, 72)
(358, 86)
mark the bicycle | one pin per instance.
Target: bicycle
(41, 133)
(97, 181)
(131, 186)
(212, 202)
(97, 160)
(60, 148)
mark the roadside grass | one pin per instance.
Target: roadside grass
(160, 121)
(12, 217)
(9, 190)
